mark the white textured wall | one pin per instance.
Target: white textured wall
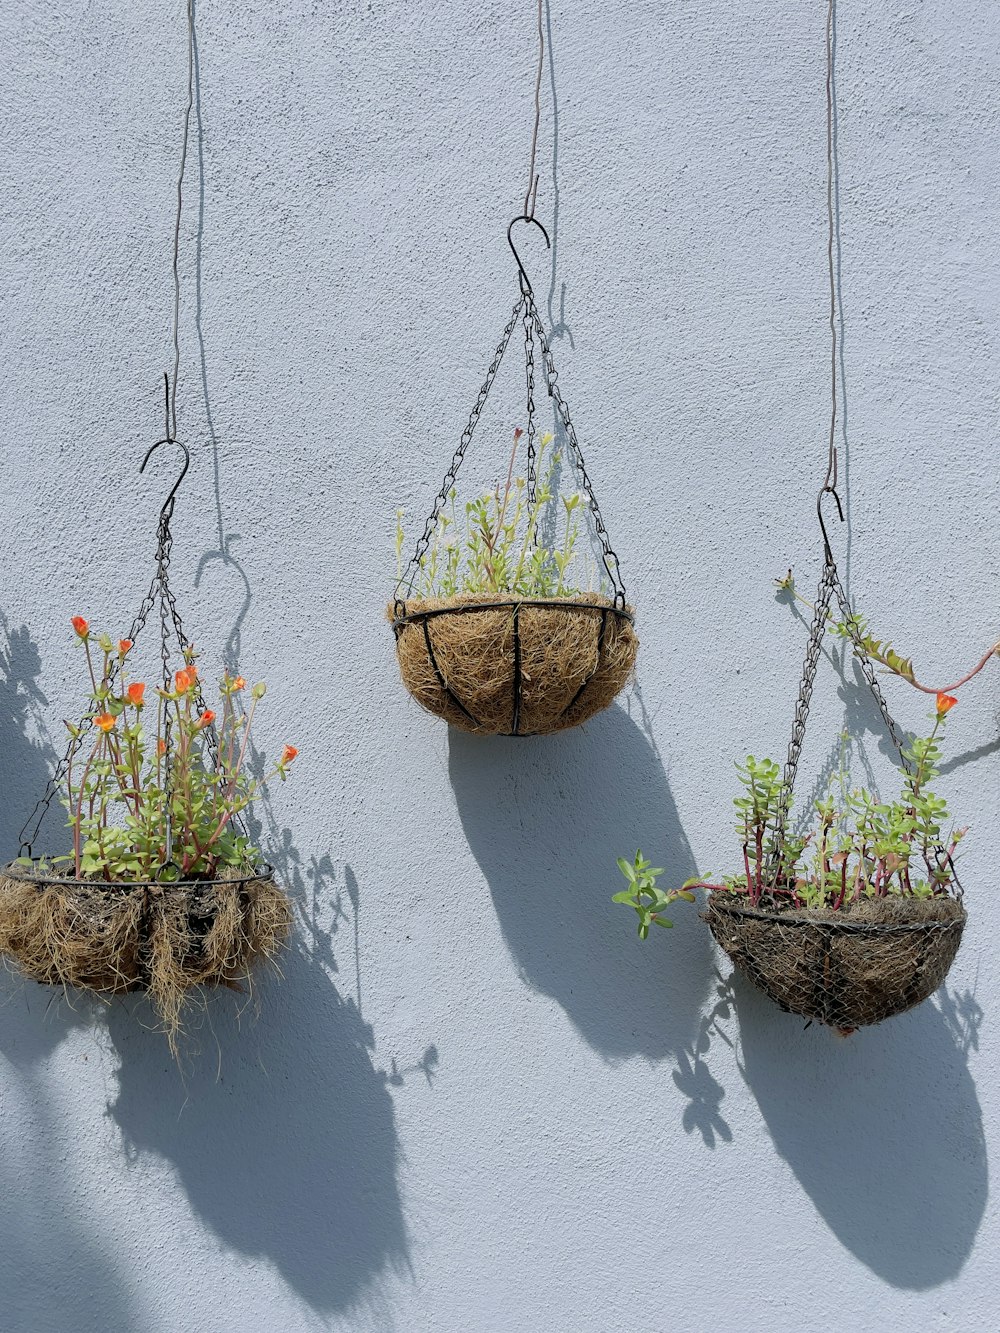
(476, 1102)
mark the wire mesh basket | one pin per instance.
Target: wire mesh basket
(514, 667)
(848, 968)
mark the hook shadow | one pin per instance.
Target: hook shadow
(223, 553)
(883, 1129)
(559, 327)
(544, 818)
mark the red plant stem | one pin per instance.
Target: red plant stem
(90, 667)
(243, 749)
(947, 689)
(843, 887)
(925, 689)
(79, 808)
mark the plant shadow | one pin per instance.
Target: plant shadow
(545, 818)
(883, 1129)
(279, 1128)
(53, 1271)
(34, 1019)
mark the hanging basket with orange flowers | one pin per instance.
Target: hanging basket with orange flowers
(498, 627)
(161, 889)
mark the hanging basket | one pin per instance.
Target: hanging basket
(848, 968)
(516, 662)
(505, 666)
(165, 938)
(164, 934)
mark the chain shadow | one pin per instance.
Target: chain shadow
(280, 1129)
(883, 1129)
(545, 818)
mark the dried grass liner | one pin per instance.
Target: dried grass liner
(163, 938)
(503, 666)
(859, 965)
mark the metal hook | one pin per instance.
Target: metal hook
(523, 278)
(169, 501)
(828, 490)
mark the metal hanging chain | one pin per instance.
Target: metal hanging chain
(529, 378)
(161, 594)
(867, 666)
(409, 575)
(611, 563)
(827, 583)
(157, 588)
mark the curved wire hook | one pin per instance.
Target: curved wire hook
(168, 503)
(828, 490)
(523, 278)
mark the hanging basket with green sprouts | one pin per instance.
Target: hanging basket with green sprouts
(159, 888)
(859, 918)
(499, 627)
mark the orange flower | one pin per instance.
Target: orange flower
(81, 626)
(288, 754)
(945, 702)
(124, 646)
(105, 721)
(207, 718)
(161, 746)
(184, 679)
(239, 683)
(135, 692)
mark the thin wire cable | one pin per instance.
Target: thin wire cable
(532, 190)
(830, 480)
(172, 424)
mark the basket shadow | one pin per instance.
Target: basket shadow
(282, 1136)
(55, 1269)
(54, 1272)
(545, 818)
(883, 1129)
(33, 1019)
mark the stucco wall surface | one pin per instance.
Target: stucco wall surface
(476, 1101)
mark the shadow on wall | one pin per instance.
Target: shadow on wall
(25, 763)
(281, 1131)
(545, 818)
(55, 1272)
(883, 1129)
(52, 1273)
(33, 1019)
